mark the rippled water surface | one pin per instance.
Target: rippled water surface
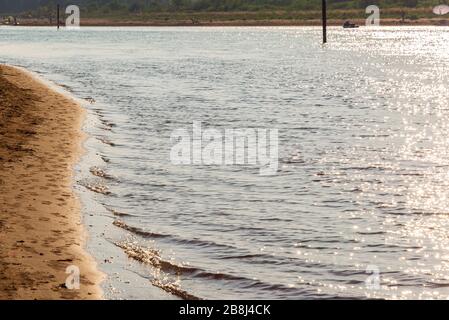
(363, 144)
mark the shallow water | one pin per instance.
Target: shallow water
(362, 180)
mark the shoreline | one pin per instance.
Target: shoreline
(101, 22)
(41, 233)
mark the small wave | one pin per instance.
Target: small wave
(105, 159)
(117, 213)
(348, 273)
(174, 289)
(137, 231)
(168, 270)
(147, 234)
(64, 86)
(90, 100)
(292, 160)
(97, 188)
(368, 233)
(107, 124)
(367, 168)
(424, 213)
(106, 141)
(153, 258)
(244, 256)
(144, 255)
(276, 219)
(98, 172)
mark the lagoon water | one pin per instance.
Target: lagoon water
(359, 206)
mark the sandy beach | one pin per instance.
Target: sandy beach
(41, 233)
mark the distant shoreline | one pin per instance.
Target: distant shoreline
(263, 18)
(236, 23)
(276, 16)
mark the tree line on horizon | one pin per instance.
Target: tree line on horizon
(106, 7)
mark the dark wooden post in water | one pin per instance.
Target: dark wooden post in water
(57, 15)
(324, 19)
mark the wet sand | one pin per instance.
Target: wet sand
(40, 221)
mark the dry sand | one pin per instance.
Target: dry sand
(40, 221)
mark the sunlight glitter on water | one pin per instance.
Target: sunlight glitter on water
(364, 159)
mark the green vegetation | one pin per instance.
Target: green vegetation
(106, 7)
(220, 10)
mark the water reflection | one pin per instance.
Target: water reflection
(363, 124)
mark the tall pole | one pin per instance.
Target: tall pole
(57, 15)
(324, 19)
